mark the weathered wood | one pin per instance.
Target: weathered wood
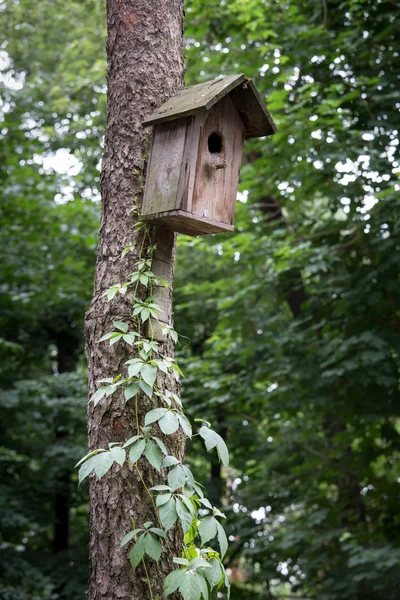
(198, 98)
(164, 170)
(215, 189)
(194, 99)
(252, 110)
(184, 222)
(195, 160)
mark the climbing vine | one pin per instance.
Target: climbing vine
(199, 571)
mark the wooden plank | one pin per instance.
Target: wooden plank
(215, 189)
(194, 99)
(164, 168)
(184, 222)
(252, 110)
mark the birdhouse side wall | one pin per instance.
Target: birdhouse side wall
(164, 169)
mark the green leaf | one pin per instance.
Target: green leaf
(121, 326)
(169, 461)
(213, 439)
(202, 582)
(153, 547)
(103, 464)
(169, 423)
(115, 338)
(160, 444)
(97, 396)
(200, 563)
(149, 374)
(88, 456)
(118, 454)
(136, 450)
(207, 529)
(129, 338)
(168, 514)
(153, 454)
(137, 552)
(86, 468)
(129, 536)
(107, 336)
(154, 415)
(158, 532)
(144, 314)
(222, 539)
(131, 390)
(162, 499)
(135, 368)
(161, 488)
(146, 388)
(131, 440)
(181, 561)
(214, 575)
(191, 587)
(173, 581)
(176, 477)
(184, 515)
(185, 424)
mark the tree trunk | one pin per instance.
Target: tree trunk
(145, 67)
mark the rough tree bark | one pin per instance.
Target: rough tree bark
(145, 67)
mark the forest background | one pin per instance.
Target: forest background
(289, 326)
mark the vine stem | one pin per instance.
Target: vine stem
(148, 579)
(154, 505)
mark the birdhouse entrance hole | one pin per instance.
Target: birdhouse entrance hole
(215, 143)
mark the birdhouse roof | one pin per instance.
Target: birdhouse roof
(248, 102)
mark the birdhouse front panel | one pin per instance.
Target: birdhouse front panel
(219, 157)
(196, 153)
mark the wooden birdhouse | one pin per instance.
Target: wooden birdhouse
(196, 154)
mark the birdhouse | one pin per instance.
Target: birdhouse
(196, 154)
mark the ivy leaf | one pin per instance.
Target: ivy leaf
(129, 338)
(137, 552)
(131, 440)
(184, 515)
(129, 536)
(89, 455)
(154, 415)
(136, 450)
(148, 390)
(180, 561)
(149, 374)
(200, 562)
(162, 499)
(121, 326)
(115, 338)
(153, 454)
(214, 575)
(160, 444)
(176, 477)
(134, 368)
(97, 396)
(185, 424)
(192, 586)
(207, 529)
(131, 390)
(169, 423)
(212, 440)
(86, 468)
(118, 454)
(222, 539)
(169, 461)
(153, 547)
(168, 514)
(158, 532)
(173, 581)
(103, 463)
